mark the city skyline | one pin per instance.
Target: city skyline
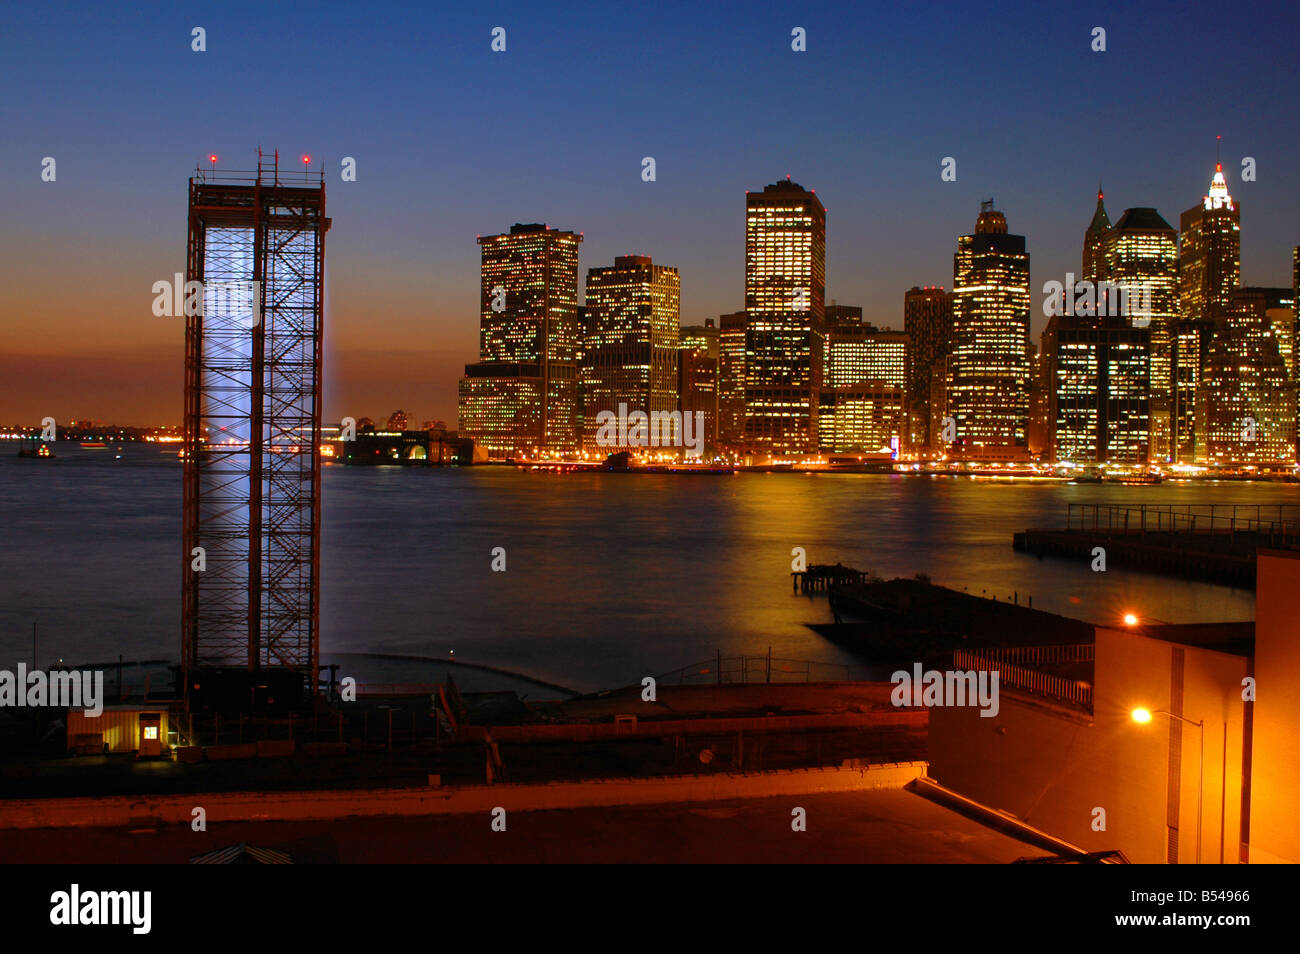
(89, 346)
(739, 433)
(882, 326)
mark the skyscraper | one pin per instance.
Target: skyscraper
(861, 404)
(700, 338)
(252, 427)
(731, 380)
(522, 395)
(989, 393)
(1245, 407)
(1102, 379)
(1041, 401)
(1209, 268)
(865, 417)
(1295, 333)
(1141, 253)
(785, 278)
(697, 381)
(857, 351)
(927, 323)
(1209, 254)
(630, 356)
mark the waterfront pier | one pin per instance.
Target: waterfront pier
(1212, 542)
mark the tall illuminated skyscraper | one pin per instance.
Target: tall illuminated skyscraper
(1209, 268)
(989, 393)
(1141, 252)
(785, 290)
(927, 323)
(630, 355)
(1102, 377)
(1209, 254)
(522, 395)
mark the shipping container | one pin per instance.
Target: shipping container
(119, 729)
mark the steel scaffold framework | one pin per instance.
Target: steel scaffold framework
(252, 421)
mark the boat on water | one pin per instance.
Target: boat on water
(95, 445)
(624, 463)
(1134, 480)
(36, 450)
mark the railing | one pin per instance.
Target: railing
(387, 728)
(1273, 519)
(1040, 683)
(740, 670)
(1041, 655)
(397, 689)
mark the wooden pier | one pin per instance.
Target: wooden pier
(821, 577)
(904, 621)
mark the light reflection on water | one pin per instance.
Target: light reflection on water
(609, 576)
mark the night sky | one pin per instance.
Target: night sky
(452, 140)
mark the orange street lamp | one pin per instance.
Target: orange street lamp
(1130, 619)
(1143, 716)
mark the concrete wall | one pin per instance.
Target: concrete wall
(1275, 769)
(326, 805)
(1052, 767)
(1036, 761)
(1135, 671)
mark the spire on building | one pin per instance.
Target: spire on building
(1218, 197)
(1100, 220)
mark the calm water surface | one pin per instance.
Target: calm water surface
(609, 576)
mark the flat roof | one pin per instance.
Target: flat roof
(881, 826)
(1235, 638)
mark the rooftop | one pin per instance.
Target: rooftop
(1142, 220)
(1235, 638)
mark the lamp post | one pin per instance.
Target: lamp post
(1144, 716)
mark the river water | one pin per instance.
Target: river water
(609, 577)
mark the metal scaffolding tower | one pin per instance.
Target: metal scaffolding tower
(252, 420)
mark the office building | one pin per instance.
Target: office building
(988, 396)
(630, 355)
(530, 335)
(785, 277)
(927, 324)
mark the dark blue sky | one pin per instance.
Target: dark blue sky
(452, 140)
